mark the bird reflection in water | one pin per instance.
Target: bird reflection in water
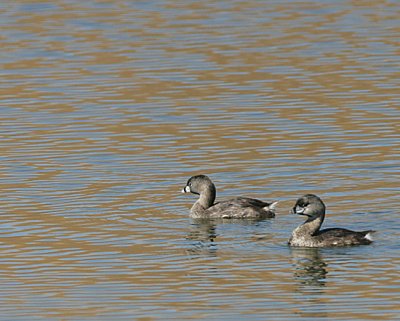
(202, 233)
(310, 268)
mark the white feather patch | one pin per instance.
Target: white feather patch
(369, 237)
(272, 206)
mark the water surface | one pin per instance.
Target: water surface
(108, 108)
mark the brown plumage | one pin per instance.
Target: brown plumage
(235, 208)
(309, 234)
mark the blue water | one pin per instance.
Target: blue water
(108, 108)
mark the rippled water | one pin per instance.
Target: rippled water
(108, 108)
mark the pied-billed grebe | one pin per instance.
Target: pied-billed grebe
(235, 208)
(309, 234)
